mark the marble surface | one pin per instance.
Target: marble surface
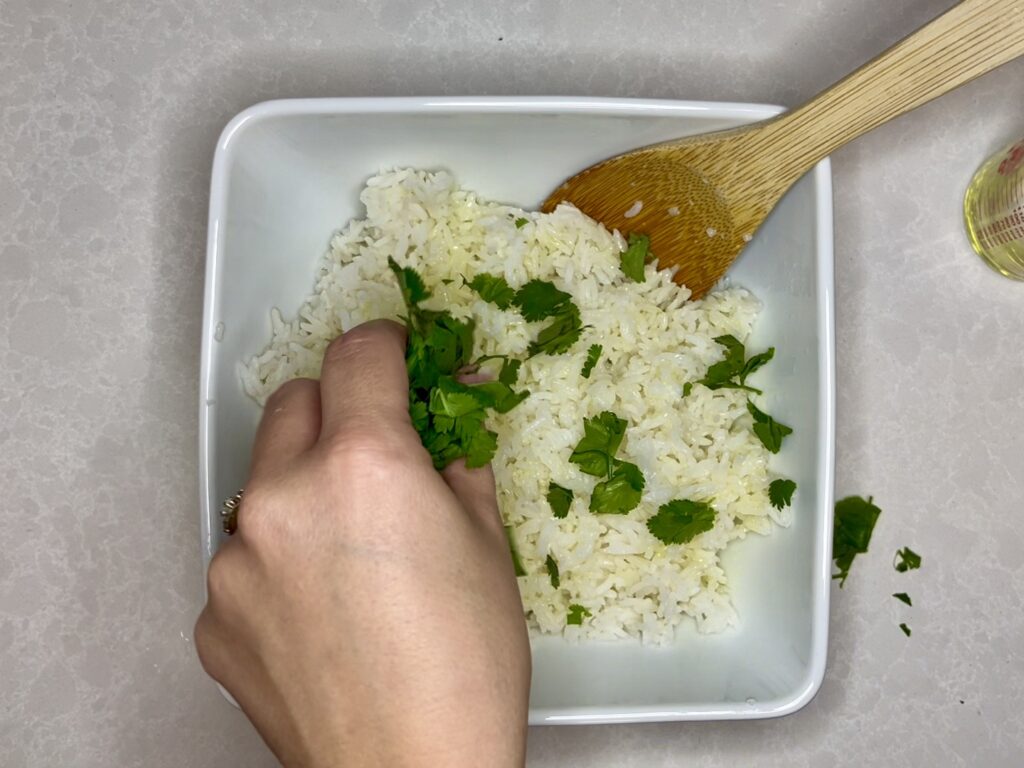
(108, 116)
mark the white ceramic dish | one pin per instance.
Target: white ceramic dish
(287, 174)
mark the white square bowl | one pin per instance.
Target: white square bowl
(287, 174)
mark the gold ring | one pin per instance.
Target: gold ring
(229, 512)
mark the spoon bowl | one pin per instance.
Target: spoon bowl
(702, 198)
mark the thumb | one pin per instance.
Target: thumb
(474, 488)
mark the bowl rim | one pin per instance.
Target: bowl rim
(824, 259)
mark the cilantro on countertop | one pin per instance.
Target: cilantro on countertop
(552, 567)
(769, 431)
(732, 371)
(576, 614)
(680, 521)
(854, 523)
(906, 629)
(780, 492)
(635, 256)
(906, 560)
(593, 354)
(560, 500)
(903, 597)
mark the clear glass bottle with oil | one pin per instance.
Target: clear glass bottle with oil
(994, 211)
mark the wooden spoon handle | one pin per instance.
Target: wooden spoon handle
(965, 42)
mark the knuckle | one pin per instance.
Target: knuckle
(366, 449)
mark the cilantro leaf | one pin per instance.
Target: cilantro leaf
(539, 299)
(680, 521)
(521, 222)
(634, 257)
(560, 334)
(906, 629)
(854, 523)
(509, 372)
(517, 563)
(768, 431)
(593, 354)
(756, 362)
(500, 396)
(906, 560)
(552, 567)
(732, 371)
(903, 597)
(493, 289)
(687, 388)
(602, 436)
(780, 492)
(481, 448)
(560, 500)
(410, 283)
(621, 492)
(576, 614)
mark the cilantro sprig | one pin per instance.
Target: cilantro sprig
(623, 484)
(682, 520)
(537, 300)
(449, 415)
(732, 371)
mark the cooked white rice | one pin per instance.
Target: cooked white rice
(654, 340)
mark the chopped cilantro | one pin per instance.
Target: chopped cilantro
(634, 257)
(593, 354)
(687, 388)
(521, 222)
(906, 560)
(552, 567)
(621, 492)
(448, 415)
(576, 614)
(854, 523)
(509, 372)
(903, 597)
(409, 283)
(560, 500)
(906, 629)
(493, 289)
(602, 436)
(560, 334)
(732, 371)
(517, 563)
(780, 492)
(679, 521)
(768, 431)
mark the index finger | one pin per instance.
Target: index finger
(363, 381)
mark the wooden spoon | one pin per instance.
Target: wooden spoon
(701, 198)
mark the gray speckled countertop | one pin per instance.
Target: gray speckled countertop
(108, 116)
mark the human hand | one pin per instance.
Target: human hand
(366, 612)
